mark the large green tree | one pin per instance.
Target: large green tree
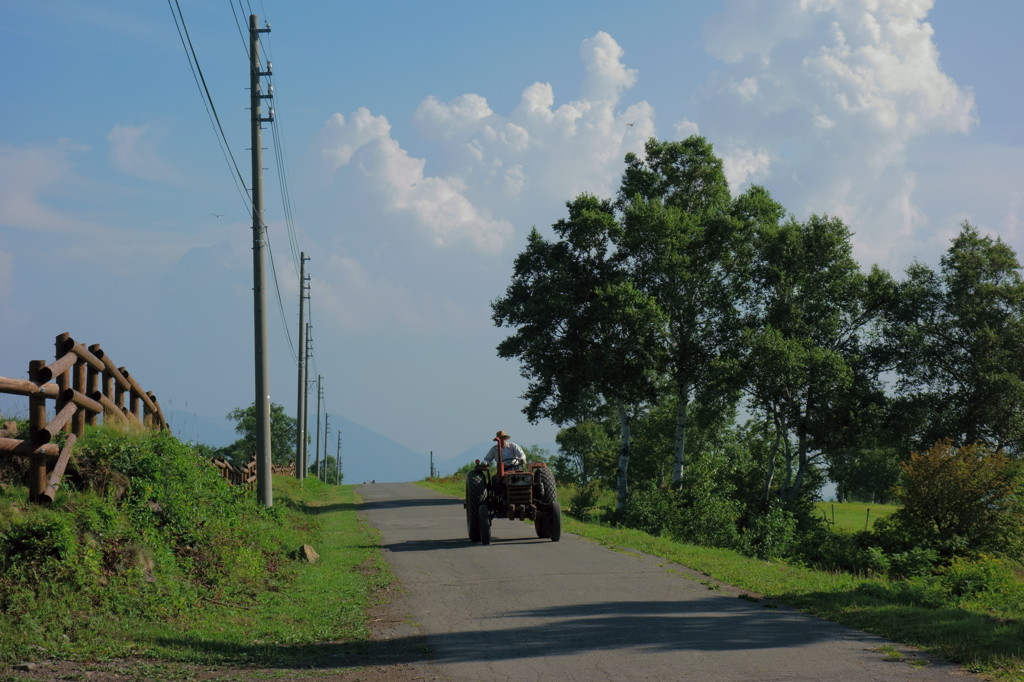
(958, 335)
(808, 344)
(588, 451)
(584, 335)
(283, 431)
(687, 250)
(331, 473)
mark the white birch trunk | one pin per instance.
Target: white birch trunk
(623, 468)
(680, 448)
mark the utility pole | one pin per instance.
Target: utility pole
(300, 421)
(264, 490)
(305, 401)
(337, 469)
(319, 399)
(327, 429)
(432, 464)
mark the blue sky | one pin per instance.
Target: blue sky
(422, 141)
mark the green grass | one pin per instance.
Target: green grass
(184, 572)
(290, 622)
(914, 612)
(849, 517)
(296, 622)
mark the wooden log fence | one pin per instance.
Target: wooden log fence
(234, 475)
(247, 475)
(286, 469)
(83, 383)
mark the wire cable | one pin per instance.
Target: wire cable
(197, 73)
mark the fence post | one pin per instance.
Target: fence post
(78, 420)
(64, 379)
(36, 421)
(92, 383)
(119, 391)
(133, 397)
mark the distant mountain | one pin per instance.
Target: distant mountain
(369, 456)
(187, 426)
(365, 454)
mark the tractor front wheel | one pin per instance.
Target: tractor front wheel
(485, 524)
(554, 522)
(541, 525)
(476, 488)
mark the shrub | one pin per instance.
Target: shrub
(988, 583)
(584, 499)
(962, 501)
(874, 560)
(37, 543)
(649, 509)
(772, 534)
(708, 519)
(915, 562)
(821, 548)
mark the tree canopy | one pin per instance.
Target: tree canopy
(283, 431)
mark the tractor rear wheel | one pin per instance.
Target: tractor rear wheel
(476, 488)
(548, 494)
(549, 520)
(485, 524)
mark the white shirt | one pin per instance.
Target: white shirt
(509, 452)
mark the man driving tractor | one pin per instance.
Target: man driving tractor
(514, 491)
(511, 454)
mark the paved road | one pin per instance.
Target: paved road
(530, 609)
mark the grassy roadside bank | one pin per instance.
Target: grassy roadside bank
(92, 590)
(906, 611)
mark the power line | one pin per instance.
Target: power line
(280, 303)
(204, 93)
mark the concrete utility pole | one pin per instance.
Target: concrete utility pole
(319, 399)
(432, 464)
(305, 400)
(300, 409)
(327, 429)
(264, 490)
(337, 468)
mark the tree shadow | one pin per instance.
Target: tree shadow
(315, 510)
(705, 625)
(412, 502)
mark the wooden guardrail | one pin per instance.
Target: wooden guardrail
(237, 475)
(247, 475)
(84, 383)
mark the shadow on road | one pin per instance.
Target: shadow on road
(567, 630)
(415, 502)
(316, 509)
(427, 545)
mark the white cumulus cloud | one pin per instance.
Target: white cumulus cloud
(134, 151)
(493, 170)
(832, 94)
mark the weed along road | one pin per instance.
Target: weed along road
(530, 609)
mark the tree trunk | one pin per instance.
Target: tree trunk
(772, 456)
(787, 449)
(620, 472)
(677, 470)
(801, 439)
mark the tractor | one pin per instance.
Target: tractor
(512, 494)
